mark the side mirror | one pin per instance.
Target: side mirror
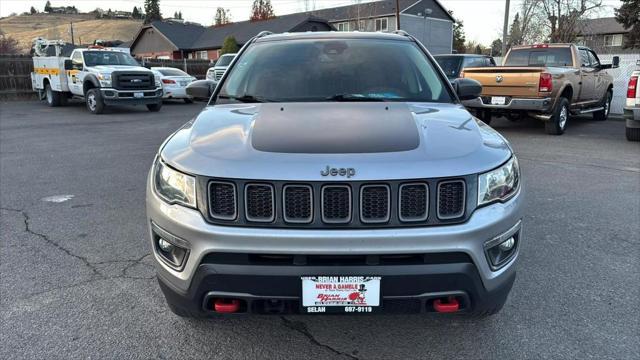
(467, 89)
(201, 89)
(615, 62)
(68, 64)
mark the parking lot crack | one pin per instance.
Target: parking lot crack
(301, 328)
(28, 228)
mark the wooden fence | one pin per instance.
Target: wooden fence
(15, 75)
(15, 72)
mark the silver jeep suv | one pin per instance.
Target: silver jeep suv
(335, 172)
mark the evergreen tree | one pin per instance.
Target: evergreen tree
(459, 38)
(47, 7)
(33, 10)
(229, 46)
(629, 16)
(135, 13)
(152, 11)
(496, 47)
(261, 10)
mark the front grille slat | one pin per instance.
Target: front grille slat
(259, 202)
(336, 204)
(451, 199)
(222, 200)
(414, 202)
(375, 203)
(298, 203)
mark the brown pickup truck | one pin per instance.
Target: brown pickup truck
(549, 82)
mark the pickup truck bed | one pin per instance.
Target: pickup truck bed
(539, 80)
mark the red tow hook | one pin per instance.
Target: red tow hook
(226, 306)
(452, 305)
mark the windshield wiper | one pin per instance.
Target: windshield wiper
(244, 98)
(353, 97)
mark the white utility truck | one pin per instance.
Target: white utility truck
(101, 76)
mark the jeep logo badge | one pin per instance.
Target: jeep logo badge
(348, 172)
(499, 78)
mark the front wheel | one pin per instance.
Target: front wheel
(94, 101)
(558, 121)
(54, 98)
(154, 107)
(602, 115)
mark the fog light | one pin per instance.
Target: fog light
(502, 248)
(507, 245)
(171, 249)
(165, 245)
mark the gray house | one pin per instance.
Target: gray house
(604, 35)
(427, 20)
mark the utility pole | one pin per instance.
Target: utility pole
(397, 14)
(72, 39)
(505, 29)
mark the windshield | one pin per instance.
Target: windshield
(172, 72)
(539, 57)
(334, 70)
(225, 60)
(94, 58)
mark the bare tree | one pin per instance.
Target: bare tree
(223, 17)
(563, 16)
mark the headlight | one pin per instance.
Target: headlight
(105, 79)
(174, 186)
(499, 184)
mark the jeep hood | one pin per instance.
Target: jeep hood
(295, 141)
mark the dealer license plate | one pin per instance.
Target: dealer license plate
(498, 100)
(340, 294)
(138, 95)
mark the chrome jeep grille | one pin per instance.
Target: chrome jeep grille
(354, 204)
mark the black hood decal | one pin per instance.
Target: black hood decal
(334, 128)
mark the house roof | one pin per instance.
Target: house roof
(383, 7)
(243, 31)
(182, 35)
(607, 25)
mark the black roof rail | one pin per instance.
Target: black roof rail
(402, 32)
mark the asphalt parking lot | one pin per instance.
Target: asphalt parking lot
(76, 279)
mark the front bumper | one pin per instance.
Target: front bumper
(465, 269)
(127, 97)
(535, 105)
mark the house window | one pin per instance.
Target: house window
(362, 25)
(613, 40)
(343, 26)
(382, 24)
(202, 55)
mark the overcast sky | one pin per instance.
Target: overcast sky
(482, 18)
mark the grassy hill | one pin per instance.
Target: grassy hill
(56, 26)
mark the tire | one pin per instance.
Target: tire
(154, 107)
(603, 114)
(188, 101)
(484, 115)
(94, 102)
(558, 121)
(633, 134)
(53, 98)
